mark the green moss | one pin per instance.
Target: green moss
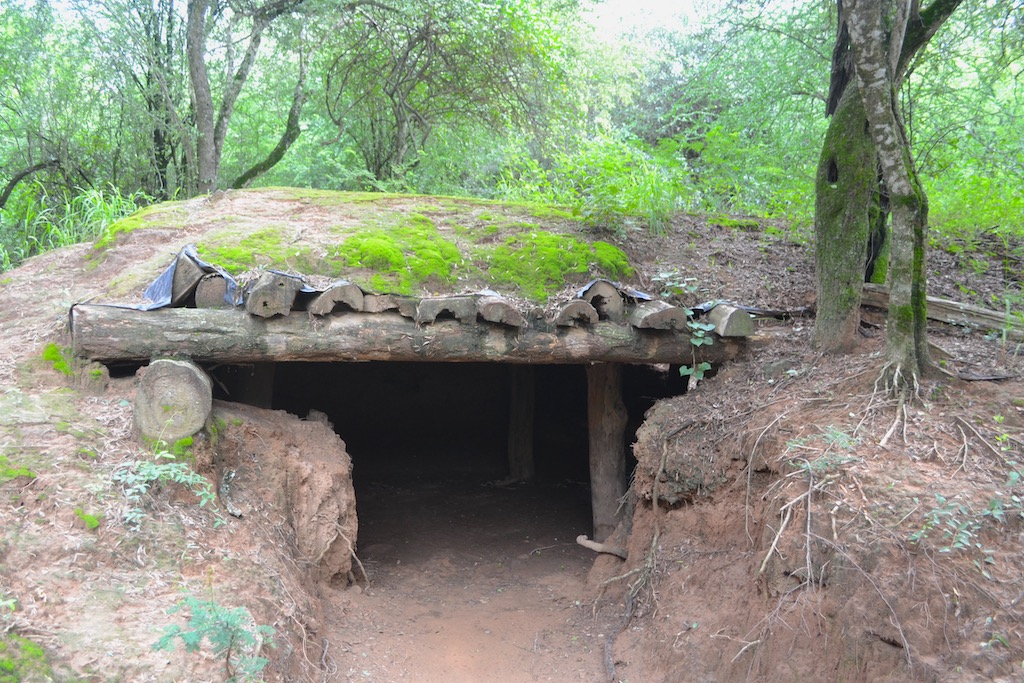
(59, 357)
(9, 471)
(537, 263)
(131, 223)
(735, 223)
(402, 258)
(22, 660)
(268, 247)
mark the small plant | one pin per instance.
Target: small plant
(232, 633)
(92, 522)
(698, 337)
(138, 477)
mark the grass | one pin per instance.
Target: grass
(44, 222)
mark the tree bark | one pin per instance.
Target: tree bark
(877, 30)
(202, 98)
(852, 182)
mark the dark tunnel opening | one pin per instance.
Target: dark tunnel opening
(432, 438)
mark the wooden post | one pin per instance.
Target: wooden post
(606, 419)
(520, 423)
(251, 384)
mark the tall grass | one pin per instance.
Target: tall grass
(41, 222)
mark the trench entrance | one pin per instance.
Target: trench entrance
(430, 445)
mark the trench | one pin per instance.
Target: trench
(430, 445)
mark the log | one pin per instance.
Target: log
(110, 333)
(575, 312)
(378, 303)
(657, 315)
(731, 321)
(606, 300)
(187, 275)
(173, 400)
(520, 423)
(342, 292)
(606, 425)
(496, 309)
(463, 308)
(211, 292)
(951, 312)
(272, 294)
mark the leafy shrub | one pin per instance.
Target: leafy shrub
(231, 632)
(138, 477)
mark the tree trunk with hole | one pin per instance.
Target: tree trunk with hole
(848, 201)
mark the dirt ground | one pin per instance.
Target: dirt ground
(790, 522)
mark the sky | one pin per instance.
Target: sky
(619, 16)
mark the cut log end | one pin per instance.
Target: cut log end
(173, 400)
(730, 321)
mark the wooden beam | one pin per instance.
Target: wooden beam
(606, 421)
(520, 423)
(952, 312)
(109, 333)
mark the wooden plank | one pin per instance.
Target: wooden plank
(496, 309)
(951, 312)
(575, 312)
(342, 292)
(606, 300)
(272, 294)
(109, 333)
(187, 275)
(731, 321)
(606, 424)
(657, 315)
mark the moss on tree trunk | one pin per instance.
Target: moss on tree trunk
(845, 189)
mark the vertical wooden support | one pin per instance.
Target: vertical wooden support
(606, 419)
(252, 384)
(520, 423)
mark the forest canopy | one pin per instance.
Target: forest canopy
(107, 105)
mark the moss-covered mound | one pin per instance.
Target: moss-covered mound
(385, 243)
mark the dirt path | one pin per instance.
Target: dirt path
(469, 583)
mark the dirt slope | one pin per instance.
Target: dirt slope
(790, 523)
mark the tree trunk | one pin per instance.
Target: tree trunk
(845, 187)
(202, 99)
(852, 186)
(877, 48)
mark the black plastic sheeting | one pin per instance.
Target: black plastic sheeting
(159, 292)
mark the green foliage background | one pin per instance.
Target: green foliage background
(724, 114)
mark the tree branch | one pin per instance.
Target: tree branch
(21, 175)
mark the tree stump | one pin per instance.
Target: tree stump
(173, 400)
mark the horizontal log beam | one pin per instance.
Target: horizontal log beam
(108, 333)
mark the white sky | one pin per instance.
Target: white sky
(613, 17)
